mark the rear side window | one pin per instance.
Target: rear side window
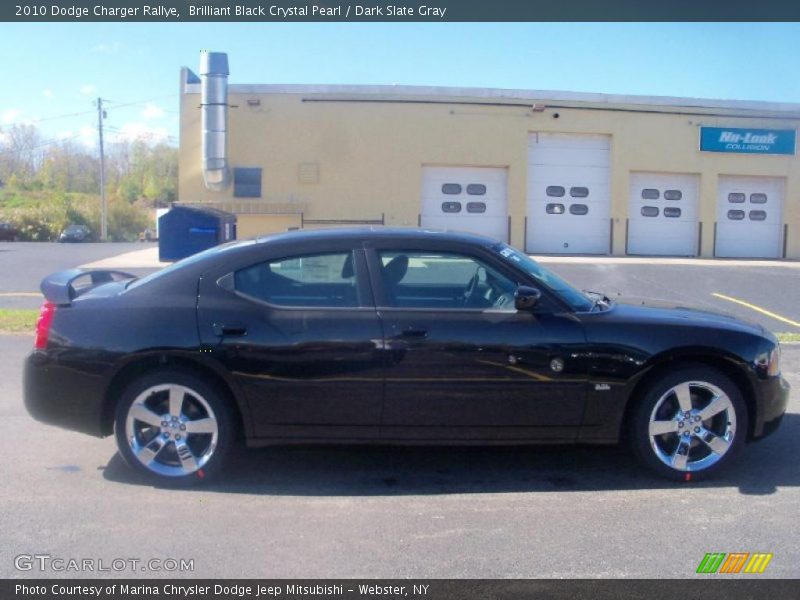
(318, 280)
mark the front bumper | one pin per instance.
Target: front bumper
(772, 398)
(60, 395)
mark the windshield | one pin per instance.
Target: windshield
(577, 300)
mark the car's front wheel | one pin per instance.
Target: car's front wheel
(174, 426)
(689, 423)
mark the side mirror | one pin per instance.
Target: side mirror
(526, 297)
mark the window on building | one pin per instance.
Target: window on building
(451, 189)
(476, 189)
(649, 211)
(247, 183)
(555, 191)
(579, 192)
(650, 194)
(555, 209)
(476, 207)
(758, 198)
(451, 207)
(736, 215)
(672, 212)
(758, 215)
(325, 280)
(578, 209)
(735, 197)
(673, 194)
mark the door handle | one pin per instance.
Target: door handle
(414, 332)
(229, 329)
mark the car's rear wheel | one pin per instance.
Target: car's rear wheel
(174, 426)
(689, 423)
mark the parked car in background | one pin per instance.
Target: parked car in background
(76, 233)
(8, 233)
(390, 336)
(148, 235)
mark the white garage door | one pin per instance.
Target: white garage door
(466, 199)
(568, 194)
(749, 217)
(662, 217)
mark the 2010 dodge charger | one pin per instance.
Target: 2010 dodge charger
(391, 336)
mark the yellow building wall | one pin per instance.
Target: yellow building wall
(370, 155)
(248, 226)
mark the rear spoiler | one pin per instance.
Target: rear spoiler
(63, 287)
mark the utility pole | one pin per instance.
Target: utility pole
(101, 114)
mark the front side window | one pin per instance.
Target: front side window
(569, 294)
(318, 280)
(444, 280)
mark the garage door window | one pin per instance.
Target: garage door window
(735, 197)
(673, 194)
(451, 189)
(326, 280)
(736, 215)
(555, 191)
(758, 215)
(672, 212)
(649, 211)
(579, 192)
(451, 207)
(476, 189)
(650, 194)
(555, 209)
(476, 207)
(758, 198)
(578, 209)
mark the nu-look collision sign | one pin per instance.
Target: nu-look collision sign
(749, 141)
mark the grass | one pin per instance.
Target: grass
(18, 320)
(788, 337)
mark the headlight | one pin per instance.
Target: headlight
(774, 364)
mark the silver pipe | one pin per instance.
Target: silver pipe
(214, 119)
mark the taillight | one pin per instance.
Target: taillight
(43, 325)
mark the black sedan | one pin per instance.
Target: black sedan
(389, 336)
(76, 233)
(8, 232)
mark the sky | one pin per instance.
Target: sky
(53, 70)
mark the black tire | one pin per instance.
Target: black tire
(725, 431)
(200, 398)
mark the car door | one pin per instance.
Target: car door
(461, 362)
(300, 334)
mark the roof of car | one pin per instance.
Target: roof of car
(373, 232)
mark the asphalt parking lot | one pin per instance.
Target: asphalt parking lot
(408, 512)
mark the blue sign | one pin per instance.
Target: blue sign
(747, 141)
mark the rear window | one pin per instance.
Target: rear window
(183, 263)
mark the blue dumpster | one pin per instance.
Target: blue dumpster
(187, 230)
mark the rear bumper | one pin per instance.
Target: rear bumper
(772, 397)
(59, 395)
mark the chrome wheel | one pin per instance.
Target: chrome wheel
(692, 426)
(171, 430)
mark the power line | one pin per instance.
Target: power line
(40, 145)
(53, 118)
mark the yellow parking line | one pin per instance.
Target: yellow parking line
(763, 311)
(21, 294)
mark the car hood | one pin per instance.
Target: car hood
(661, 311)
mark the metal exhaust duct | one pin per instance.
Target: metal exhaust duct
(214, 119)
